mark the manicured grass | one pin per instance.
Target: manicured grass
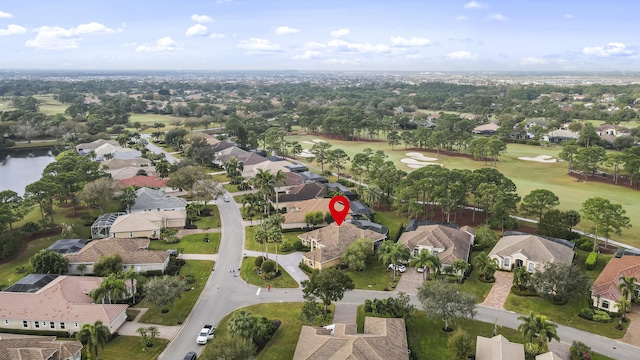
(391, 220)
(239, 199)
(182, 307)
(8, 275)
(565, 314)
(283, 281)
(251, 244)
(210, 222)
(35, 145)
(473, 284)
(192, 244)
(132, 313)
(374, 277)
(603, 259)
(131, 347)
(231, 188)
(220, 178)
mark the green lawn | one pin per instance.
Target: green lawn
(565, 314)
(283, 281)
(8, 275)
(182, 307)
(251, 244)
(474, 285)
(527, 175)
(220, 178)
(131, 347)
(374, 277)
(391, 220)
(192, 244)
(210, 222)
(603, 259)
(231, 188)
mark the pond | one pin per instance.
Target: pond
(19, 168)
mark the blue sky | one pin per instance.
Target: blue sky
(415, 35)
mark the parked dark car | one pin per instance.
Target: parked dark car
(191, 356)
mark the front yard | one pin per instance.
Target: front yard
(133, 348)
(192, 244)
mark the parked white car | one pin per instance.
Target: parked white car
(400, 268)
(205, 334)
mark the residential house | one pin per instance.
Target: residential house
(297, 210)
(15, 346)
(382, 339)
(116, 151)
(530, 251)
(86, 148)
(498, 348)
(329, 243)
(270, 166)
(604, 292)
(156, 200)
(130, 171)
(147, 224)
(115, 164)
(144, 181)
(360, 210)
(448, 243)
(310, 176)
(290, 179)
(297, 168)
(300, 193)
(341, 189)
(558, 136)
(486, 129)
(68, 304)
(101, 227)
(133, 252)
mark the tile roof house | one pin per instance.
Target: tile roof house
(85, 148)
(144, 181)
(296, 211)
(268, 165)
(561, 135)
(300, 193)
(115, 164)
(329, 243)
(28, 347)
(156, 200)
(134, 255)
(450, 244)
(382, 339)
(147, 224)
(486, 129)
(68, 307)
(130, 171)
(498, 348)
(604, 292)
(530, 251)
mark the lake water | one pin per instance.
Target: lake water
(21, 168)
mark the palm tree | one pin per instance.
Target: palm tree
(460, 267)
(372, 195)
(623, 306)
(427, 260)
(628, 287)
(528, 327)
(547, 331)
(251, 205)
(521, 277)
(81, 268)
(131, 275)
(93, 336)
(242, 325)
(263, 181)
(391, 252)
(486, 265)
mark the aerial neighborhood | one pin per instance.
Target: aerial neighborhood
(478, 217)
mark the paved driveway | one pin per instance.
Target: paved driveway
(632, 336)
(409, 282)
(500, 290)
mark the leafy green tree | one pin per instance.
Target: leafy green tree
(163, 291)
(328, 285)
(391, 307)
(42, 192)
(337, 158)
(554, 223)
(162, 168)
(390, 252)
(314, 218)
(98, 193)
(320, 151)
(486, 265)
(230, 348)
(537, 201)
(460, 345)
(48, 261)
(356, 254)
(444, 301)
(568, 154)
(521, 278)
(393, 138)
(486, 237)
(572, 218)
(207, 190)
(587, 160)
(428, 261)
(128, 198)
(606, 218)
(148, 334)
(559, 282)
(108, 265)
(186, 177)
(12, 208)
(93, 336)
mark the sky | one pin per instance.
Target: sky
(327, 35)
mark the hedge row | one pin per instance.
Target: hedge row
(590, 263)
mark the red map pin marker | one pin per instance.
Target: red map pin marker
(339, 214)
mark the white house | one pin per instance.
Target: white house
(529, 251)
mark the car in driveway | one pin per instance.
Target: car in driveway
(400, 268)
(226, 198)
(191, 355)
(421, 269)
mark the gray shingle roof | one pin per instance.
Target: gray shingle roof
(150, 199)
(534, 248)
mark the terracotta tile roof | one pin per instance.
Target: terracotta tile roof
(382, 339)
(333, 240)
(64, 299)
(27, 347)
(456, 243)
(297, 210)
(498, 348)
(140, 180)
(302, 192)
(132, 252)
(535, 248)
(606, 285)
(145, 221)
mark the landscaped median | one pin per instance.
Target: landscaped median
(284, 280)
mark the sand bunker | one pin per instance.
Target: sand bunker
(318, 140)
(539, 158)
(308, 142)
(420, 157)
(418, 166)
(305, 153)
(415, 164)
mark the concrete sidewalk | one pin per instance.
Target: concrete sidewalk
(289, 262)
(129, 327)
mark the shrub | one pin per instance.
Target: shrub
(533, 142)
(172, 239)
(299, 247)
(259, 260)
(304, 267)
(20, 269)
(580, 351)
(601, 316)
(525, 292)
(87, 219)
(590, 263)
(586, 246)
(30, 228)
(268, 266)
(152, 273)
(190, 279)
(586, 313)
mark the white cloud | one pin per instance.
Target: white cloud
(344, 46)
(340, 33)
(461, 17)
(569, 16)
(309, 54)
(475, 5)
(197, 30)
(285, 30)
(414, 56)
(257, 45)
(58, 38)
(216, 36)
(312, 45)
(532, 61)
(613, 48)
(460, 55)
(5, 15)
(13, 29)
(498, 17)
(414, 41)
(162, 44)
(201, 18)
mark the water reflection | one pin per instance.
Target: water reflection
(19, 168)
